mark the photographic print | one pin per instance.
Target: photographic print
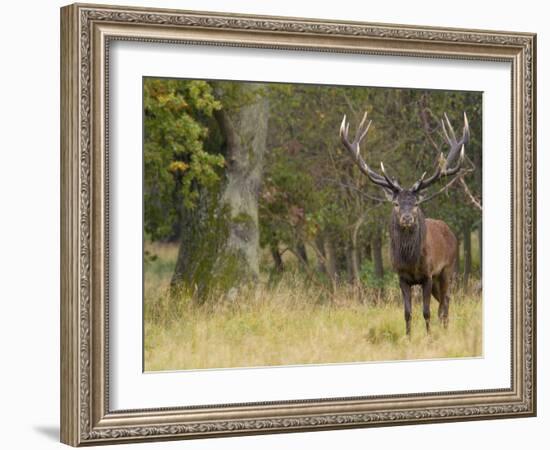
(293, 224)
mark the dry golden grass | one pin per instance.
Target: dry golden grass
(290, 322)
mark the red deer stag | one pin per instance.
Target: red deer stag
(423, 251)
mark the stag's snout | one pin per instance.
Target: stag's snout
(406, 220)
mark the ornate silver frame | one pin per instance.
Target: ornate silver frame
(86, 31)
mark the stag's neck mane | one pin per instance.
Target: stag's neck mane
(406, 245)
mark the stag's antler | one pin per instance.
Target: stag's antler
(353, 148)
(443, 165)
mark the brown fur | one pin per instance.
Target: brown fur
(440, 248)
(423, 253)
(423, 250)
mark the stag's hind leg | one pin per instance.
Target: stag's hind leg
(427, 286)
(436, 292)
(444, 284)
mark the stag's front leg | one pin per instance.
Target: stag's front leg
(426, 296)
(406, 291)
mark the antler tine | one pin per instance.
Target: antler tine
(391, 181)
(450, 136)
(420, 180)
(355, 151)
(447, 172)
(466, 130)
(451, 129)
(455, 147)
(343, 127)
(444, 128)
(359, 134)
(364, 133)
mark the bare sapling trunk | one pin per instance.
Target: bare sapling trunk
(467, 231)
(377, 255)
(302, 253)
(378, 263)
(355, 269)
(319, 247)
(480, 248)
(277, 258)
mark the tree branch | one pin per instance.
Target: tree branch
(473, 200)
(444, 188)
(359, 191)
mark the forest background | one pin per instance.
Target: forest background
(261, 232)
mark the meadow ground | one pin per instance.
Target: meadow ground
(291, 322)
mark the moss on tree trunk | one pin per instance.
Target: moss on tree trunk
(222, 236)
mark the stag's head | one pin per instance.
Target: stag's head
(407, 200)
(406, 209)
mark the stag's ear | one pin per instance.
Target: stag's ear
(419, 198)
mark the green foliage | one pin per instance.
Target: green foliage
(369, 279)
(308, 171)
(311, 191)
(211, 267)
(290, 205)
(176, 164)
(312, 197)
(234, 96)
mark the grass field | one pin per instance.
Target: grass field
(291, 322)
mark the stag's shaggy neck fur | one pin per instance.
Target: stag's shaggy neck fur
(406, 244)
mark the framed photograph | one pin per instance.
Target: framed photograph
(275, 224)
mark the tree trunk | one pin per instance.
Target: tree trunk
(355, 257)
(341, 255)
(378, 262)
(224, 242)
(330, 256)
(192, 224)
(302, 252)
(368, 251)
(377, 254)
(349, 262)
(480, 245)
(457, 262)
(467, 231)
(320, 251)
(355, 268)
(277, 258)
(478, 161)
